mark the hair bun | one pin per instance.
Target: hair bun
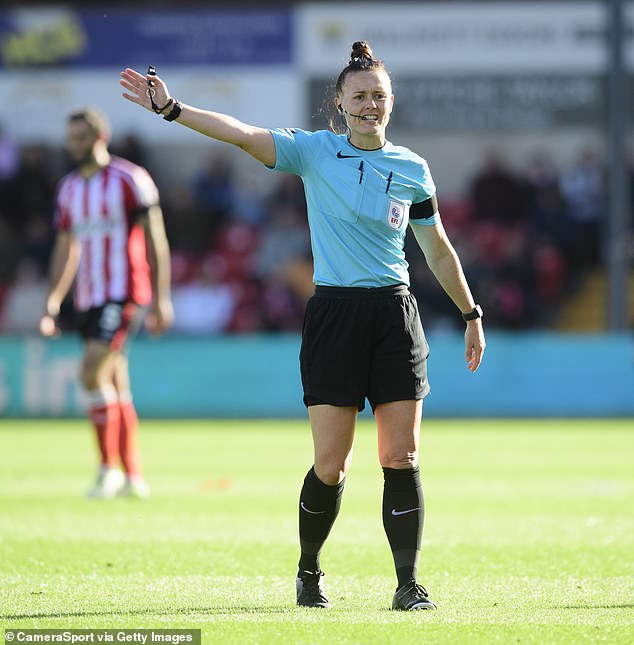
(360, 50)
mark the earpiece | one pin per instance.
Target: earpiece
(340, 109)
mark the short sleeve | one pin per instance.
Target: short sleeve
(61, 216)
(427, 188)
(424, 211)
(295, 149)
(146, 191)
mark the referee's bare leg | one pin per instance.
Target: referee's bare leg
(398, 425)
(333, 437)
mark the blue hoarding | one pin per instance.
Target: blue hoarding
(523, 375)
(67, 38)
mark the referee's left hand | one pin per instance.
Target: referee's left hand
(474, 344)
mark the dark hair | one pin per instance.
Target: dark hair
(95, 118)
(361, 60)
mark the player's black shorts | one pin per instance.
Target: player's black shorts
(359, 343)
(113, 322)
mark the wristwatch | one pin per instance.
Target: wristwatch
(476, 312)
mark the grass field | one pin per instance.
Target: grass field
(529, 534)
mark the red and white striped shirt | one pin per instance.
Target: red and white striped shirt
(101, 213)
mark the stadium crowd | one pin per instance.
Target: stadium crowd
(241, 259)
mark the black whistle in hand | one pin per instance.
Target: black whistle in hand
(151, 70)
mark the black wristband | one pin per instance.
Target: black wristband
(158, 110)
(174, 112)
(476, 312)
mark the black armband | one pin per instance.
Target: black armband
(424, 210)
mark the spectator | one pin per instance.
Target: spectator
(249, 206)
(9, 156)
(131, 148)
(214, 193)
(285, 239)
(545, 203)
(496, 193)
(26, 200)
(288, 193)
(33, 186)
(203, 306)
(23, 301)
(186, 229)
(584, 191)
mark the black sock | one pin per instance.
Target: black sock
(318, 508)
(403, 516)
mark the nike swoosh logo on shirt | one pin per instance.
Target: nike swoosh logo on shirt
(309, 511)
(409, 510)
(340, 155)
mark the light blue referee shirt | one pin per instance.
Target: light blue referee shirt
(358, 204)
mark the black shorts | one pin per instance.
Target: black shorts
(113, 323)
(359, 343)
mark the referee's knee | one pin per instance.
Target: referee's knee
(330, 474)
(399, 461)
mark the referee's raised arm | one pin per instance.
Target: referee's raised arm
(150, 91)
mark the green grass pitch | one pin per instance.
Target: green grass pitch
(529, 534)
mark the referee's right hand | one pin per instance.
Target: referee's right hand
(138, 86)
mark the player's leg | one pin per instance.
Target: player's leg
(105, 330)
(135, 485)
(97, 377)
(398, 425)
(320, 498)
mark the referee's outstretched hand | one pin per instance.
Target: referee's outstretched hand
(141, 88)
(474, 344)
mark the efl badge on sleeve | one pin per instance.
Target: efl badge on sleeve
(396, 214)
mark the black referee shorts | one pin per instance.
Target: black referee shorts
(359, 343)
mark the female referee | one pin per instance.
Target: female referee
(362, 335)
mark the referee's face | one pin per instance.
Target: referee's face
(367, 100)
(80, 142)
